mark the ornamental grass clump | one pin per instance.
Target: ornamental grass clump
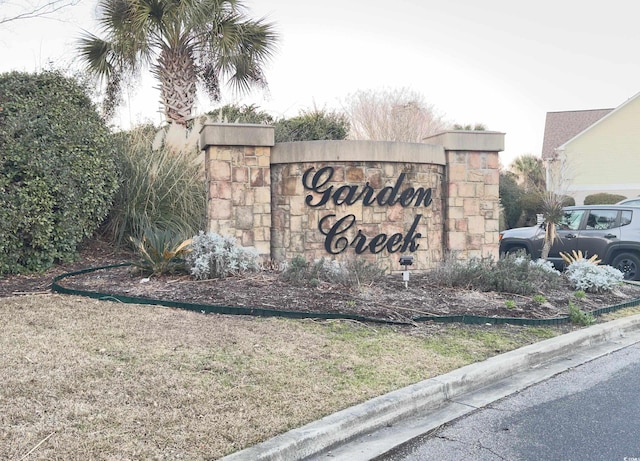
(214, 256)
(350, 273)
(160, 189)
(301, 272)
(297, 271)
(512, 274)
(592, 278)
(358, 272)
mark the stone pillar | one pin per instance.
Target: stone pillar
(472, 202)
(238, 172)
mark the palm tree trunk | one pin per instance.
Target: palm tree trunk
(177, 75)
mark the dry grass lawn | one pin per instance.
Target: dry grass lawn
(85, 379)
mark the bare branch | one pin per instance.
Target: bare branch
(392, 115)
(37, 9)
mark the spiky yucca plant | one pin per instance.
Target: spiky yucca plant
(552, 204)
(160, 252)
(577, 256)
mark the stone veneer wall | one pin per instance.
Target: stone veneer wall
(237, 169)
(473, 201)
(295, 224)
(256, 192)
(472, 221)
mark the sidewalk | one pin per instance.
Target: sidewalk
(370, 429)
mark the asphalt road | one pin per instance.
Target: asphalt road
(591, 412)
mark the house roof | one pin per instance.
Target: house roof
(560, 127)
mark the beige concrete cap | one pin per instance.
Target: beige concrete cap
(235, 134)
(469, 141)
(356, 151)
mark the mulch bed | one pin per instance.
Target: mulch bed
(387, 299)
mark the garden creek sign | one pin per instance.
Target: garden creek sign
(374, 200)
(335, 242)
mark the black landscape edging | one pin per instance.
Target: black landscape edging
(260, 312)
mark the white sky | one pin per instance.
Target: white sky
(503, 63)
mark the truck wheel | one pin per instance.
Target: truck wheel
(628, 264)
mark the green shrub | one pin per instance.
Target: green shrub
(579, 317)
(57, 174)
(312, 126)
(603, 198)
(232, 113)
(510, 195)
(160, 189)
(532, 204)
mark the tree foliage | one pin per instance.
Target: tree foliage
(57, 174)
(475, 127)
(603, 198)
(314, 125)
(185, 42)
(510, 196)
(531, 172)
(392, 115)
(231, 113)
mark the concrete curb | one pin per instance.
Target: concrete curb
(359, 420)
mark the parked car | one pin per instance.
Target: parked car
(630, 202)
(610, 231)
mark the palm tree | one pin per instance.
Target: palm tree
(183, 42)
(531, 170)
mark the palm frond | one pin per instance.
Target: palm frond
(97, 54)
(197, 40)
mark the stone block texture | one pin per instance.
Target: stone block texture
(297, 230)
(239, 202)
(472, 204)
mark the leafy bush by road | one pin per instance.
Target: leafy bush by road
(57, 174)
